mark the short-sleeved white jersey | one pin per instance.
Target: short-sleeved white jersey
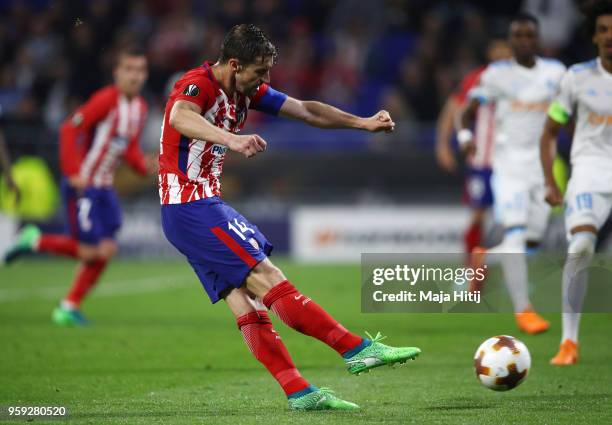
(586, 94)
(522, 97)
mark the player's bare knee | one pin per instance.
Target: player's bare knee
(107, 250)
(239, 301)
(87, 253)
(264, 277)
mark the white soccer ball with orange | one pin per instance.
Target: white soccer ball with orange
(502, 363)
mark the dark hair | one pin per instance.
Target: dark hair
(129, 51)
(525, 17)
(247, 43)
(593, 10)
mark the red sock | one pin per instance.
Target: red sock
(58, 244)
(86, 277)
(268, 348)
(307, 317)
(472, 237)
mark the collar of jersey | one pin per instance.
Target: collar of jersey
(524, 68)
(603, 70)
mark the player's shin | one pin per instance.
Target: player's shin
(85, 279)
(304, 315)
(580, 254)
(514, 266)
(267, 347)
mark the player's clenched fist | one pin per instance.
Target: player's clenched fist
(248, 145)
(380, 121)
(553, 195)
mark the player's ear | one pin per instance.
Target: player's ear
(235, 65)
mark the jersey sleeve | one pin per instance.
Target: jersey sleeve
(267, 100)
(133, 154)
(467, 84)
(561, 108)
(487, 89)
(196, 89)
(74, 130)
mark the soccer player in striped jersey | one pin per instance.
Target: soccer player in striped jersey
(478, 194)
(103, 131)
(521, 88)
(204, 114)
(585, 95)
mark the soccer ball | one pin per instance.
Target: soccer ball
(502, 363)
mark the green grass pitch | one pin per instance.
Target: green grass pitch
(159, 353)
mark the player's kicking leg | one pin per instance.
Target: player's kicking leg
(267, 347)
(306, 316)
(94, 219)
(30, 240)
(93, 262)
(229, 255)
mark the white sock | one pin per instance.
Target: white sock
(69, 305)
(514, 266)
(575, 275)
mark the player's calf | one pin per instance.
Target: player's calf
(306, 316)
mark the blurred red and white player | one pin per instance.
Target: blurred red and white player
(100, 133)
(478, 194)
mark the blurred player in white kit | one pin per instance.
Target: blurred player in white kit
(585, 95)
(521, 89)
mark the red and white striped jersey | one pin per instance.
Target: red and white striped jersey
(190, 169)
(101, 132)
(484, 128)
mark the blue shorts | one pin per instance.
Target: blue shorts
(219, 243)
(478, 191)
(92, 216)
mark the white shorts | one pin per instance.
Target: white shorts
(519, 202)
(585, 208)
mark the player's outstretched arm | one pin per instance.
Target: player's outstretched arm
(186, 119)
(321, 115)
(548, 151)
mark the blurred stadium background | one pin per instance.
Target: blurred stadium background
(404, 55)
(158, 352)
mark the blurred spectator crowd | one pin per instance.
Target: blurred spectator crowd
(407, 55)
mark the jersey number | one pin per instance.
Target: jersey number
(239, 228)
(84, 207)
(584, 201)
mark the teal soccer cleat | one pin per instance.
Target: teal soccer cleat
(68, 317)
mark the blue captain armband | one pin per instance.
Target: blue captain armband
(270, 102)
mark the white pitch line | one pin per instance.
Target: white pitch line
(105, 289)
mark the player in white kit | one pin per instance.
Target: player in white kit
(521, 89)
(585, 95)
